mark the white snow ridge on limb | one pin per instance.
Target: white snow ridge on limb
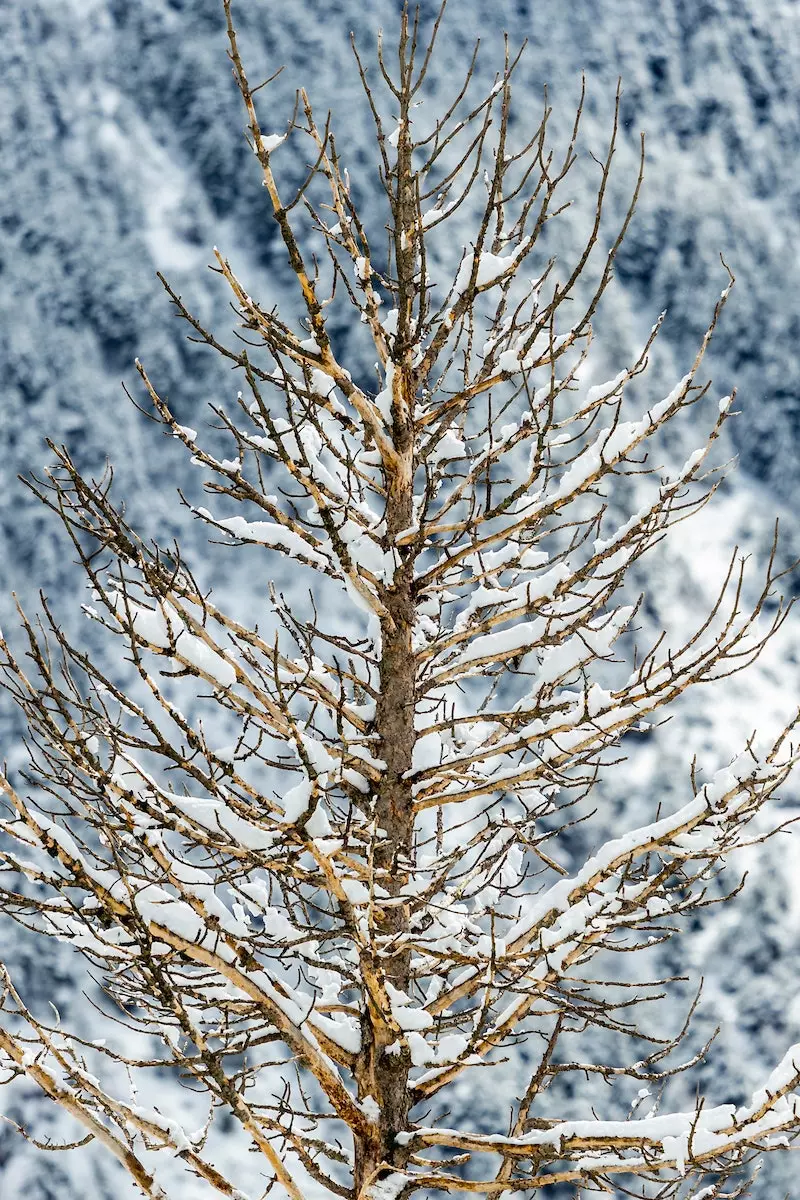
(318, 863)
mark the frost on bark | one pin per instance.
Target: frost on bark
(328, 924)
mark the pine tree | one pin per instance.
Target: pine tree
(330, 924)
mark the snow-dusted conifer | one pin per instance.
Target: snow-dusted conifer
(365, 885)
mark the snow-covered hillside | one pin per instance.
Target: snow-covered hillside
(122, 153)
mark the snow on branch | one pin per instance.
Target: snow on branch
(317, 863)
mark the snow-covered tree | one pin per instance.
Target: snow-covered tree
(315, 864)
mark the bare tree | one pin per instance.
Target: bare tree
(365, 885)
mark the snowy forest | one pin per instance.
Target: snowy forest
(441, 655)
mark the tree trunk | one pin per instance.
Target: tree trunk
(386, 1074)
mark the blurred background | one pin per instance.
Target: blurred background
(122, 153)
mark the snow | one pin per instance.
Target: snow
(556, 900)
(406, 1015)
(217, 817)
(785, 1075)
(421, 1053)
(144, 467)
(680, 1136)
(490, 269)
(342, 1030)
(370, 1109)
(515, 599)
(296, 801)
(603, 391)
(172, 1130)
(409, 1018)
(164, 629)
(448, 448)
(614, 443)
(155, 904)
(318, 825)
(270, 534)
(383, 400)
(355, 891)
(435, 214)
(321, 383)
(207, 661)
(451, 1047)
(542, 350)
(492, 647)
(271, 141)
(388, 1188)
(660, 410)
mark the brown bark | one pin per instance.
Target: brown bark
(386, 1074)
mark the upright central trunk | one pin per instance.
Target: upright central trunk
(384, 1073)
